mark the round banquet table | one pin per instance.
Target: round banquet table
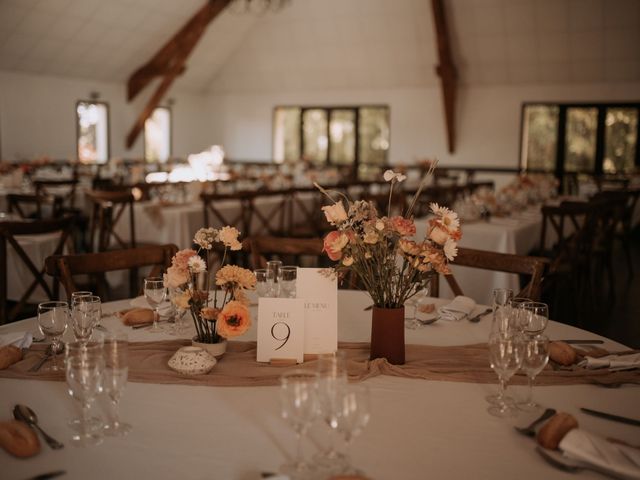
(418, 429)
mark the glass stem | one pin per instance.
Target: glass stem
(84, 415)
(529, 390)
(116, 413)
(503, 389)
(156, 316)
(299, 457)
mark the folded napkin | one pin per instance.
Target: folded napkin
(136, 316)
(621, 460)
(460, 308)
(17, 339)
(612, 362)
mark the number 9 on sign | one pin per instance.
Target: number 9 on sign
(280, 332)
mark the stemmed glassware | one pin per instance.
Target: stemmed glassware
(288, 278)
(53, 318)
(86, 311)
(84, 367)
(275, 266)
(116, 372)
(534, 359)
(264, 282)
(505, 356)
(85, 293)
(298, 403)
(501, 310)
(353, 416)
(155, 293)
(534, 317)
(517, 314)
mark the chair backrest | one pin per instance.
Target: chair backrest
(533, 267)
(31, 205)
(64, 267)
(8, 233)
(107, 210)
(218, 216)
(63, 189)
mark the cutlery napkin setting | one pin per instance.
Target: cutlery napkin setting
(612, 362)
(12, 346)
(460, 308)
(621, 460)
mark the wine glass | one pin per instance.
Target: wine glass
(116, 372)
(535, 317)
(53, 318)
(353, 415)
(83, 293)
(155, 293)
(298, 406)
(84, 367)
(264, 282)
(275, 266)
(85, 314)
(288, 276)
(501, 310)
(534, 359)
(517, 317)
(505, 357)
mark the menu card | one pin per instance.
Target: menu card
(281, 329)
(320, 294)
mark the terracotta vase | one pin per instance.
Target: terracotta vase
(387, 334)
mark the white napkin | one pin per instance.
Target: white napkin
(19, 339)
(460, 308)
(621, 460)
(613, 362)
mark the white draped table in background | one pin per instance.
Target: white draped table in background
(419, 429)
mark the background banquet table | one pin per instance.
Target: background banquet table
(418, 428)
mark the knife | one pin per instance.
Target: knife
(46, 476)
(582, 342)
(609, 416)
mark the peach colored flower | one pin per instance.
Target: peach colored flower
(233, 320)
(335, 213)
(403, 226)
(347, 261)
(334, 242)
(370, 237)
(229, 237)
(181, 258)
(409, 246)
(175, 277)
(438, 234)
(181, 301)
(209, 313)
(234, 276)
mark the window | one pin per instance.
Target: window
(92, 127)
(340, 136)
(580, 138)
(157, 136)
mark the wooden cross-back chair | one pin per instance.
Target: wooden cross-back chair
(217, 216)
(64, 267)
(8, 233)
(532, 267)
(107, 211)
(63, 189)
(306, 219)
(267, 212)
(31, 205)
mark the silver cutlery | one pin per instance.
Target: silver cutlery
(478, 317)
(25, 414)
(559, 461)
(582, 342)
(47, 355)
(48, 475)
(530, 430)
(610, 416)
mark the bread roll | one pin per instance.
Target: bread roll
(18, 439)
(562, 353)
(9, 354)
(137, 316)
(552, 432)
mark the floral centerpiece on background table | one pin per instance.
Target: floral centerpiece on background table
(217, 315)
(389, 262)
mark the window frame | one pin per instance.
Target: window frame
(144, 136)
(561, 143)
(96, 102)
(328, 110)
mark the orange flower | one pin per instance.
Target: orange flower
(334, 242)
(209, 313)
(233, 320)
(404, 226)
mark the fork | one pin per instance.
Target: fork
(530, 430)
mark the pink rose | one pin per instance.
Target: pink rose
(334, 242)
(403, 226)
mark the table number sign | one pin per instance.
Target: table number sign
(320, 294)
(281, 329)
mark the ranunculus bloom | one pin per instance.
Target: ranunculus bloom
(403, 226)
(229, 237)
(233, 320)
(181, 258)
(175, 277)
(335, 213)
(209, 313)
(438, 235)
(334, 242)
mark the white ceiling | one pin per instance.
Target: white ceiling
(327, 44)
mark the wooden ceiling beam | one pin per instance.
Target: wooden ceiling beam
(446, 70)
(169, 62)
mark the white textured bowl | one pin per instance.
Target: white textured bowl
(192, 361)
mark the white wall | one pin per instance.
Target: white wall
(37, 117)
(488, 122)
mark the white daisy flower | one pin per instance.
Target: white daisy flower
(390, 176)
(450, 249)
(196, 264)
(448, 217)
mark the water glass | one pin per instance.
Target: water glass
(298, 407)
(116, 372)
(534, 359)
(275, 266)
(505, 357)
(84, 293)
(517, 317)
(53, 318)
(264, 282)
(155, 293)
(353, 416)
(501, 310)
(288, 281)
(535, 317)
(86, 311)
(84, 368)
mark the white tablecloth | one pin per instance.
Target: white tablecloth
(418, 429)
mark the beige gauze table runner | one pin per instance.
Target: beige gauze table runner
(238, 367)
